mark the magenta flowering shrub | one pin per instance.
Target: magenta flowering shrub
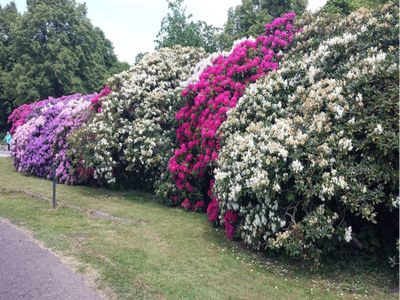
(19, 116)
(207, 102)
(41, 141)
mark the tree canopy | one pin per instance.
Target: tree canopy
(8, 17)
(345, 7)
(177, 28)
(249, 18)
(51, 50)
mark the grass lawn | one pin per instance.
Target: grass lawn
(149, 251)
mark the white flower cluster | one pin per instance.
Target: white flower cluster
(347, 234)
(133, 132)
(296, 138)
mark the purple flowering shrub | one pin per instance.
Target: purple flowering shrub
(41, 141)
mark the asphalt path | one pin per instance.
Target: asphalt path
(5, 153)
(28, 271)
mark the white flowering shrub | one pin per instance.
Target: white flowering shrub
(130, 137)
(309, 157)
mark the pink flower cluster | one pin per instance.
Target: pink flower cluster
(213, 207)
(95, 101)
(230, 220)
(217, 91)
(19, 116)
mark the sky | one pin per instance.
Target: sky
(132, 25)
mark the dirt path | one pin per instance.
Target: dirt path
(28, 271)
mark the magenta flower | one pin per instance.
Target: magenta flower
(186, 204)
(230, 220)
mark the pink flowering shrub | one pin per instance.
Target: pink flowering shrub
(207, 102)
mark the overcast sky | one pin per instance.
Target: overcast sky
(132, 25)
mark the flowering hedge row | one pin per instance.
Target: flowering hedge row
(207, 101)
(42, 132)
(302, 158)
(309, 158)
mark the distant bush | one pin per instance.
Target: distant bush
(309, 159)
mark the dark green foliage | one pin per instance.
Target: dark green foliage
(249, 18)
(139, 56)
(118, 67)
(178, 29)
(8, 17)
(345, 7)
(51, 50)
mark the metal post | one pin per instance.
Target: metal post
(54, 186)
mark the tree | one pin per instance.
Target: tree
(118, 67)
(139, 57)
(8, 16)
(178, 29)
(345, 7)
(249, 18)
(55, 50)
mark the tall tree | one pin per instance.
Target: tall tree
(8, 17)
(55, 50)
(249, 18)
(345, 7)
(177, 28)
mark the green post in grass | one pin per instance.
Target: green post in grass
(54, 185)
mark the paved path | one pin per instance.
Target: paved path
(4, 153)
(28, 271)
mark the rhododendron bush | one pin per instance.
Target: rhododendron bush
(40, 140)
(128, 140)
(309, 159)
(217, 90)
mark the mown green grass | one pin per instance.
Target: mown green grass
(155, 252)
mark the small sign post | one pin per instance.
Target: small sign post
(54, 185)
